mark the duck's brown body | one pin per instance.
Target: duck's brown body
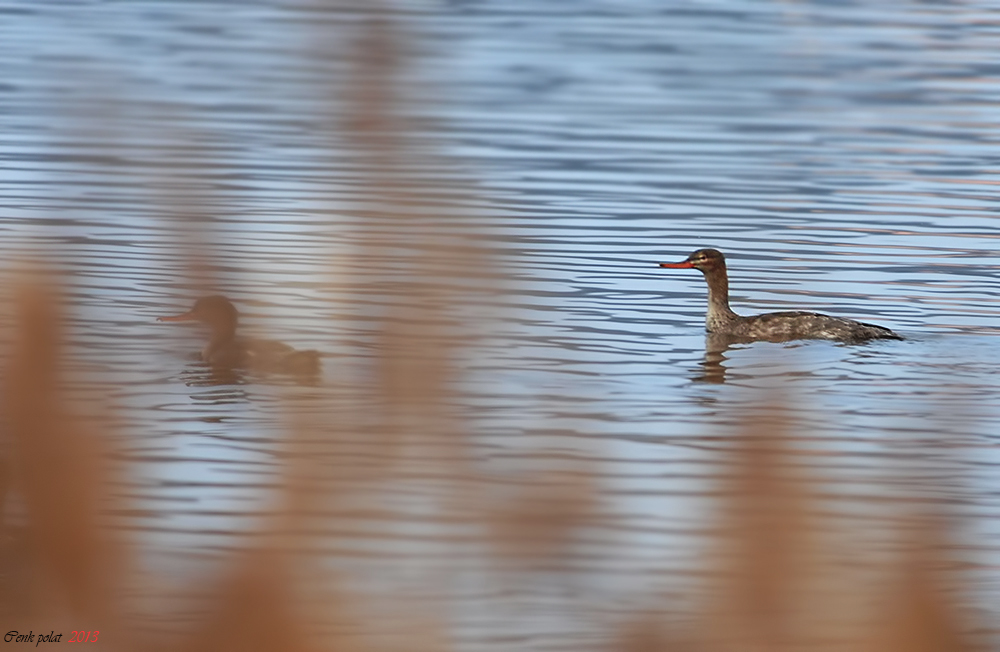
(773, 326)
(227, 350)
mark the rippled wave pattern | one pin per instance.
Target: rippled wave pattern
(521, 437)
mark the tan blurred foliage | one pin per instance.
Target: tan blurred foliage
(62, 562)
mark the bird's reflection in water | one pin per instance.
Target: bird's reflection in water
(227, 383)
(713, 368)
(199, 374)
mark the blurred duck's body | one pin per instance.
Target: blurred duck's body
(227, 350)
(771, 326)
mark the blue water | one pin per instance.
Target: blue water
(843, 156)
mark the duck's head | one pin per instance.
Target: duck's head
(216, 311)
(703, 260)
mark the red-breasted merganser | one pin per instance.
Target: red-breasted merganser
(771, 326)
(226, 350)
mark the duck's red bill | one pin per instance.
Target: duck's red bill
(187, 316)
(684, 264)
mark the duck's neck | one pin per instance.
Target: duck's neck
(223, 335)
(719, 313)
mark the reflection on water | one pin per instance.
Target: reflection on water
(202, 375)
(713, 367)
(459, 207)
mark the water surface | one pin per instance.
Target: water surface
(843, 155)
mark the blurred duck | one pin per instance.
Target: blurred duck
(226, 350)
(771, 326)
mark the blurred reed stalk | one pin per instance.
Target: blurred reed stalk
(60, 562)
(779, 578)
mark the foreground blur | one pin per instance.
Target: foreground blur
(784, 567)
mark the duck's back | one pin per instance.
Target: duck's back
(801, 325)
(263, 356)
(270, 356)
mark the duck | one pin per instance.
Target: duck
(772, 326)
(226, 350)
